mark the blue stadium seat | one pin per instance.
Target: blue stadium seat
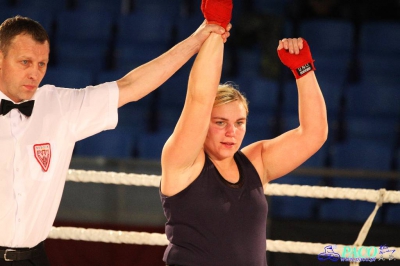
(150, 145)
(171, 7)
(331, 70)
(171, 99)
(398, 164)
(4, 13)
(185, 26)
(128, 56)
(379, 58)
(83, 39)
(262, 94)
(393, 214)
(117, 143)
(115, 7)
(109, 75)
(299, 207)
(379, 65)
(374, 97)
(68, 77)
(295, 207)
(380, 30)
(88, 55)
(249, 62)
(289, 121)
(356, 154)
(259, 127)
(276, 7)
(331, 89)
(142, 28)
(361, 154)
(43, 15)
(382, 129)
(318, 159)
(51, 5)
(331, 38)
(347, 211)
(136, 113)
(285, 207)
(84, 26)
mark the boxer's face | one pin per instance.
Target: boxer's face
(226, 131)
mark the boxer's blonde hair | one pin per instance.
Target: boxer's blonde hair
(229, 92)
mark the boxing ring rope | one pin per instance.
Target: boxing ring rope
(142, 238)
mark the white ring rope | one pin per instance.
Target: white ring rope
(271, 189)
(156, 239)
(141, 238)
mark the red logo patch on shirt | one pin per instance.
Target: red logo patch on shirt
(43, 155)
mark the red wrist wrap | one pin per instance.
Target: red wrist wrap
(301, 63)
(217, 11)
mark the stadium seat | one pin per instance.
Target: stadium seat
(339, 210)
(380, 30)
(44, 15)
(379, 58)
(393, 214)
(68, 77)
(276, 7)
(115, 8)
(382, 129)
(249, 62)
(260, 126)
(356, 154)
(398, 163)
(379, 65)
(136, 113)
(83, 39)
(84, 26)
(262, 94)
(331, 89)
(300, 207)
(172, 7)
(128, 56)
(117, 143)
(142, 28)
(88, 55)
(185, 26)
(361, 154)
(373, 97)
(171, 98)
(150, 144)
(51, 5)
(286, 207)
(329, 37)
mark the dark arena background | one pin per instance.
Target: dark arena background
(356, 47)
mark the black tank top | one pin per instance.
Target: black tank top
(213, 222)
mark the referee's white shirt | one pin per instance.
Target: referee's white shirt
(29, 195)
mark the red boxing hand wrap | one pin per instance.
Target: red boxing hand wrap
(301, 63)
(217, 11)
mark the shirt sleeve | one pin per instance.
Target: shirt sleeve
(93, 109)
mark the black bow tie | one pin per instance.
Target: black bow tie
(25, 107)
